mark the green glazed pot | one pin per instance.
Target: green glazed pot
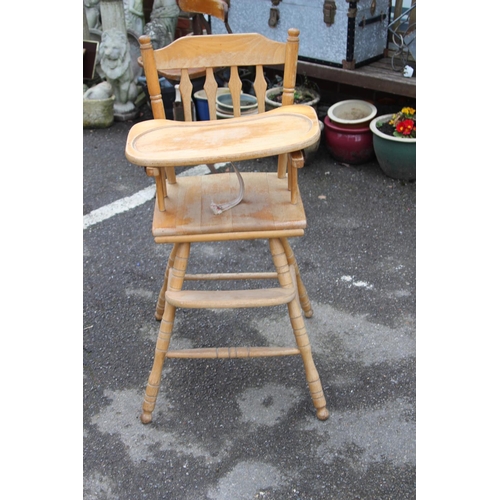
(396, 156)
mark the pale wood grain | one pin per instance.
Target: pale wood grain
(230, 299)
(286, 129)
(216, 8)
(232, 352)
(271, 207)
(265, 207)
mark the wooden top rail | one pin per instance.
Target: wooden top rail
(248, 49)
(167, 143)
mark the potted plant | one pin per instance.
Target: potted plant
(395, 141)
(303, 95)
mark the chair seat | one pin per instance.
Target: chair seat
(168, 143)
(265, 208)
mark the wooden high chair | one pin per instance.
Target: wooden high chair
(271, 207)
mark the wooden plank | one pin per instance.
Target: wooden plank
(378, 75)
(224, 299)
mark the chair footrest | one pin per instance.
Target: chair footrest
(232, 352)
(230, 299)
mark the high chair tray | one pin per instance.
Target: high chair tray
(165, 143)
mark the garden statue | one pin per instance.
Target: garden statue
(102, 90)
(158, 34)
(166, 12)
(93, 13)
(134, 16)
(115, 65)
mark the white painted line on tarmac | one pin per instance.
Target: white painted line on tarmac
(125, 204)
(119, 206)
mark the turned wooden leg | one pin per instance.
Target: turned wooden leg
(312, 375)
(297, 320)
(174, 282)
(303, 296)
(162, 344)
(160, 303)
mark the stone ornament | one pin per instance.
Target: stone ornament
(158, 34)
(134, 15)
(93, 13)
(166, 12)
(115, 65)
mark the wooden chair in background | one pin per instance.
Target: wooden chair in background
(271, 208)
(198, 9)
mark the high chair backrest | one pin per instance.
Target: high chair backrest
(220, 51)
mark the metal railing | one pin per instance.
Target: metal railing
(403, 36)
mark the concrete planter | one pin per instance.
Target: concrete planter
(98, 113)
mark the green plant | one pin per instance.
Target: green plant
(402, 124)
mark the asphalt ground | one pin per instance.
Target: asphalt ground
(246, 429)
(360, 451)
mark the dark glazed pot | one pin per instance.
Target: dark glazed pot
(396, 156)
(347, 144)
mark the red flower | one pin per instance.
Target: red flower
(405, 127)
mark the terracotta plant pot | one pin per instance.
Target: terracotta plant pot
(396, 156)
(348, 144)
